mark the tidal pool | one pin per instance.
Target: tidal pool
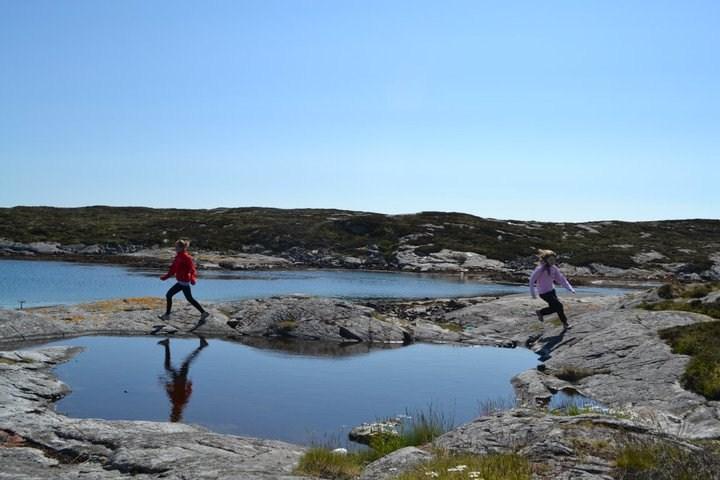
(301, 392)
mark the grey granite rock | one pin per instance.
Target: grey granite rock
(297, 317)
(627, 366)
(567, 447)
(310, 318)
(395, 463)
(612, 348)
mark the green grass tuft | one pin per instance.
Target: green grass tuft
(423, 428)
(322, 462)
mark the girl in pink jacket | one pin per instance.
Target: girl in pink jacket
(544, 278)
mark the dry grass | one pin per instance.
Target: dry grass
(661, 460)
(126, 304)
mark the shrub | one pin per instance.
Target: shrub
(666, 291)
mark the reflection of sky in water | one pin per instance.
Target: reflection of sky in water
(48, 283)
(287, 396)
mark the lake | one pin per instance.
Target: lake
(278, 393)
(40, 283)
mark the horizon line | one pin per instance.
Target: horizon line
(369, 212)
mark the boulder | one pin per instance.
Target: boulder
(310, 318)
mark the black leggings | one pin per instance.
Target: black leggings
(554, 305)
(188, 295)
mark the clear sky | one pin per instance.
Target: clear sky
(549, 110)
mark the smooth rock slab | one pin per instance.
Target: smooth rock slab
(395, 463)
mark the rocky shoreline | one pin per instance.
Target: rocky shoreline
(648, 267)
(622, 362)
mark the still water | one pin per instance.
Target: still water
(281, 390)
(48, 283)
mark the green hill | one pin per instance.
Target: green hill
(281, 232)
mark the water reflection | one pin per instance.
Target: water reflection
(177, 384)
(293, 346)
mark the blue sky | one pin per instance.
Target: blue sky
(560, 110)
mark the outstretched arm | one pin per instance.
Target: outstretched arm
(563, 281)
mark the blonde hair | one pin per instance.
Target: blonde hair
(544, 254)
(183, 243)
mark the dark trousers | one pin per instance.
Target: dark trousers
(554, 305)
(188, 295)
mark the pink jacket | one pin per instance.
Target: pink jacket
(546, 280)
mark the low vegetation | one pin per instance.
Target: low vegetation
(700, 341)
(422, 429)
(575, 374)
(573, 410)
(324, 463)
(499, 466)
(678, 290)
(452, 326)
(661, 460)
(277, 231)
(709, 309)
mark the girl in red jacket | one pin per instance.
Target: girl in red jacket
(183, 268)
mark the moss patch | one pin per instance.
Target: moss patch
(12, 361)
(574, 374)
(453, 327)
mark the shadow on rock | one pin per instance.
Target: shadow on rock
(549, 344)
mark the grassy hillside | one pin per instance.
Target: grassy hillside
(276, 230)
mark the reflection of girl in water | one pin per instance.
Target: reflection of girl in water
(177, 385)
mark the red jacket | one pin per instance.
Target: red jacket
(183, 268)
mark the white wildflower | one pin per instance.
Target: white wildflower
(457, 468)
